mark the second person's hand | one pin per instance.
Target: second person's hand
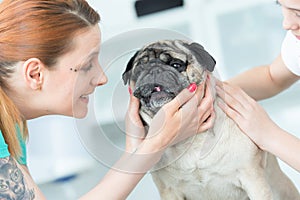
(246, 112)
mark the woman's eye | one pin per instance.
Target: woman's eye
(88, 68)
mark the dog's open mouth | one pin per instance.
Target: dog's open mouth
(153, 95)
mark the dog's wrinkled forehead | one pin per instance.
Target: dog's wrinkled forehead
(163, 51)
(191, 53)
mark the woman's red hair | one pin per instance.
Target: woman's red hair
(42, 29)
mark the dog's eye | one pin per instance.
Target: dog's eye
(176, 65)
(179, 65)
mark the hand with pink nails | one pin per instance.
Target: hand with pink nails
(186, 115)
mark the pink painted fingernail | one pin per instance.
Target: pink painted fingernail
(130, 90)
(192, 87)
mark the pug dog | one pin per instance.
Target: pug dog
(221, 163)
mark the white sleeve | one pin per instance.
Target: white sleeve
(290, 53)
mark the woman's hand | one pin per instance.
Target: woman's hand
(185, 116)
(247, 113)
(206, 107)
(135, 132)
(189, 113)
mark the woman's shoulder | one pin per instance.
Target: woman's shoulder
(3, 147)
(4, 152)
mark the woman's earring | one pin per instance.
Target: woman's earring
(39, 87)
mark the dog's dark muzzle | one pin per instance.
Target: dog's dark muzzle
(154, 95)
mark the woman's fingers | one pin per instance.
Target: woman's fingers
(236, 92)
(177, 119)
(190, 106)
(201, 92)
(206, 106)
(133, 109)
(208, 123)
(232, 113)
(135, 132)
(184, 96)
(232, 96)
(240, 107)
(201, 105)
(252, 119)
(208, 95)
(189, 113)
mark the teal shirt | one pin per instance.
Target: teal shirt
(4, 148)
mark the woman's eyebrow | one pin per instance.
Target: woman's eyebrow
(92, 54)
(89, 57)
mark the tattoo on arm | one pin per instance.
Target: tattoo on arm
(12, 183)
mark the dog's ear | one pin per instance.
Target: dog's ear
(202, 56)
(127, 74)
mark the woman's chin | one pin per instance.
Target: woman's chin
(80, 113)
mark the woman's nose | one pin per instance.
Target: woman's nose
(290, 26)
(101, 78)
(290, 23)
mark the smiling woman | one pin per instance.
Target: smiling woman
(75, 88)
(34, 62)
(25, 50)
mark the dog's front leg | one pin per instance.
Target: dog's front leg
(254, 182)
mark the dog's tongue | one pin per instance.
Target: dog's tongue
(157, 89)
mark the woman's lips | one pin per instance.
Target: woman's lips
(297, 36)
(85, 98)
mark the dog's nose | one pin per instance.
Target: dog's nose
(155, 71)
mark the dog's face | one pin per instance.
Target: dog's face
(159, 71)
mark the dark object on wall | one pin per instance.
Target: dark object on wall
(145, 7)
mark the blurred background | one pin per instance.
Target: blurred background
(239, 35)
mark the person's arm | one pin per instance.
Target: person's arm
(123, 177)
(253, 120)
(181, 118)
(285, 146)
(16, 182)
(265, 81)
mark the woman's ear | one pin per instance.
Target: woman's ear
(33, 72)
